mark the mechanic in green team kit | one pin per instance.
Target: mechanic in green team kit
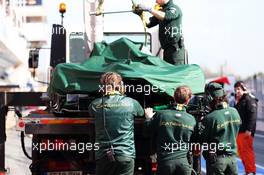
(173, 129)
(114, 125)
(169, 19)
(219, 131)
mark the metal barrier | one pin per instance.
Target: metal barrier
(256, 85)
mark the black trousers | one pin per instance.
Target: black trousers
(173, 54)
(122, 166)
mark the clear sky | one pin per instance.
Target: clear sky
(216, 32)
(231, 31)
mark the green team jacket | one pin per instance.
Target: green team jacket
(219, 130)
(119, 120)
(173, 129)
(170, 29)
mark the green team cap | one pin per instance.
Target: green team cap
(216, 90)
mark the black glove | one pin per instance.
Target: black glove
(212, 157)
(190, 157)
(137, 10)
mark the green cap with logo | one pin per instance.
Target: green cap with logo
(216, 89)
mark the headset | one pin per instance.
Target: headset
(241, 84)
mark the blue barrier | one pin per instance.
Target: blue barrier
(260, 169)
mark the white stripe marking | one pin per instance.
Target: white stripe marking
(259, 166)
(259, 135)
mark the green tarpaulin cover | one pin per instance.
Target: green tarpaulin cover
(124, 57)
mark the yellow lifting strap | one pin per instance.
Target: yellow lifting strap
(143, 19)
(99, 11)
(99, 8)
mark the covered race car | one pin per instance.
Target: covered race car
(147, 78)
